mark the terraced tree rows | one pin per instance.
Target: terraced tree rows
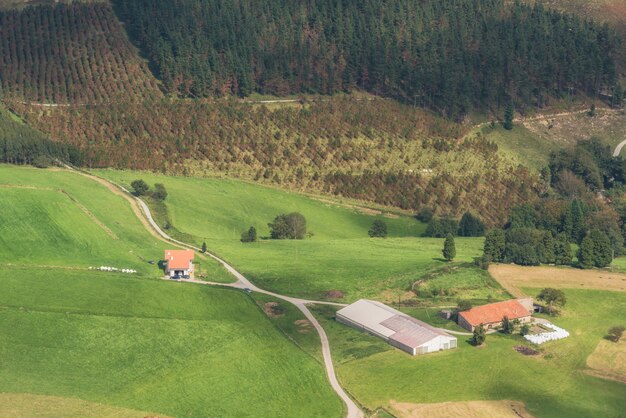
(374, 150)
(74, 53)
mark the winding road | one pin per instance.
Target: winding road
(353, 411)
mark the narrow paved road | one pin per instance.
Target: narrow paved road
(242, 282)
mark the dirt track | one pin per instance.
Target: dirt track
(513, 278)
(471, 409)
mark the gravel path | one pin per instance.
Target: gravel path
(242, 282)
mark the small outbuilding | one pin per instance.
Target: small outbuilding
(179, 263)
(398, 329)
(491, 315)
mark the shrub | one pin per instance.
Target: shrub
(524, 330)
(553, 297)
(425, 214)
(159, 192)
(139, 187)
(42, 161)
(463, 305)
(378, 229)
(615, 333)
(249, 235)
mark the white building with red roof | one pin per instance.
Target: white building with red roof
(491, 315)
(179, 263)
(398, 329)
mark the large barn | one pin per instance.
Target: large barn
(491, 315)
(399, 330)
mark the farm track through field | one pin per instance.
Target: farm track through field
(142, 211)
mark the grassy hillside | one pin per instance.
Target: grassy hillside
(338, 256)
(551, 384)
(57, 218)
(130, 341)
(75, 53)
(173, 349)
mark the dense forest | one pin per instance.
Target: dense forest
(584, 206)
(448, 55)
(69, 54)
(20, 144)
(376, 150)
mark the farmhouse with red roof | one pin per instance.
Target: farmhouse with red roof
(491, 315)
(179, 263)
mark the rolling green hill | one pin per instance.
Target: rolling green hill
(338, 256)
(130, 340)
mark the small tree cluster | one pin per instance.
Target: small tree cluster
(471, 226)
(249, 235)
(140, 187)
(378, 229)
(526, 246)
(441, 227)
(288, 226)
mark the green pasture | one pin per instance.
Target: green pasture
(552, 384)
(339, 255)
(175, 349)
(56, 218)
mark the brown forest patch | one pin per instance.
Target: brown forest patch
(512, 277)
(471, 409)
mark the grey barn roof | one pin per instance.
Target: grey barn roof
(390, 323)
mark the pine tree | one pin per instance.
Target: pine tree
(562, 251)
(204, 247)
(602, 249)
(495, 243)
(548, 248)
(478, 335)
(618, 97)
(586, 253)
(508, 116)
(449, 248)
(507, 325)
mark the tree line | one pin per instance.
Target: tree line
(20, 144)
(582, 203)
(447, 55)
